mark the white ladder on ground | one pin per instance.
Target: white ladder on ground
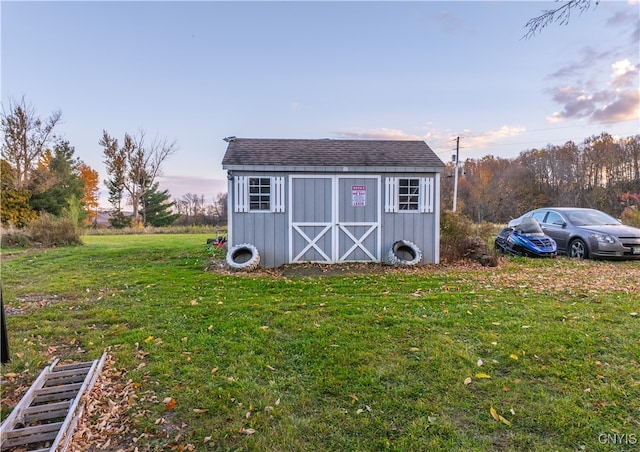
(47, 414)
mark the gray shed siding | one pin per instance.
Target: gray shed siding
(266, 230)
(309, 200)
(337, 201)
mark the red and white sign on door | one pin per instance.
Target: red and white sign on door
(358, 195)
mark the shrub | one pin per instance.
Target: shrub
(460, 238)
(631, 216)
(12, 236)
(52, 231)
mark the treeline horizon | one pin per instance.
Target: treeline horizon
(601, 172)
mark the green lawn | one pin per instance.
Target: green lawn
(531, 355)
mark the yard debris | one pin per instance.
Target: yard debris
(112, 411)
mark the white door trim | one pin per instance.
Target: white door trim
(333, 226)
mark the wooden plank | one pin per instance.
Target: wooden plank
(63, 367)
(54, 389)
(57, 413)
(29, 439)
(64, 380)
(31, 432)
(48, 407)
(65, 373)
(57, 397)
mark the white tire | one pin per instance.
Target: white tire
(404, 253)
(243, 257)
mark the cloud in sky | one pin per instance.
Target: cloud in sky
(581, 90)
(437, 139)
(490, 137)
(618, 102)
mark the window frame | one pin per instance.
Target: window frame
(425, 192)
(259, 193)
(409, 201)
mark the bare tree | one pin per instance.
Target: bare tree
(561, 15)
(25, 139)
(134, 166)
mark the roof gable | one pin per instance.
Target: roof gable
(329, 153)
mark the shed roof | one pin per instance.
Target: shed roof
(251, 153)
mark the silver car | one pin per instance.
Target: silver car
(586, 233)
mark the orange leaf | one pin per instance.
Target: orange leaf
(170, 404)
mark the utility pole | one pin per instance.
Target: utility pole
(455, 177)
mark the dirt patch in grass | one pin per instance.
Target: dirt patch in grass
(32, 301)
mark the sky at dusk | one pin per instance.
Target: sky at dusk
(196, 72)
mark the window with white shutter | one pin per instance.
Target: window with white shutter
(259, 194)
(409, 194)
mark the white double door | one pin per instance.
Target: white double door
(334, 218)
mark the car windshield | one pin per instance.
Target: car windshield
(590, 218)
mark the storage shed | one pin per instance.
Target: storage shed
(333, 201)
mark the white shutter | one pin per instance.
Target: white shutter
(426, 194)
(277, 194)
(241, 197)
(391, 194)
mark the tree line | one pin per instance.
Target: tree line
(41, 175)
(39, 171)
(602, 172)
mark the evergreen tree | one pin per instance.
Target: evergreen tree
(156, 210)
(56, 180)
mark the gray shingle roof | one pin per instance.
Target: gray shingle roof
(328, 153)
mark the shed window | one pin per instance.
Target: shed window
(409, 194)
(259, 193)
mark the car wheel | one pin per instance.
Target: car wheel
(578, 249)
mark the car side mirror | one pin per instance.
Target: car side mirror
(560, 223)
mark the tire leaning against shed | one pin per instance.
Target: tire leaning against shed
(243, 257)
(404, 253)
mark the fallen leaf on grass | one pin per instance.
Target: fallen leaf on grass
(480, 362)
(497, 417)
(467, 380)
(513, 356)
(247, 431)
(169, 403)
(148, 339)
(194, 303)
(199, 410)
(481, 375)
